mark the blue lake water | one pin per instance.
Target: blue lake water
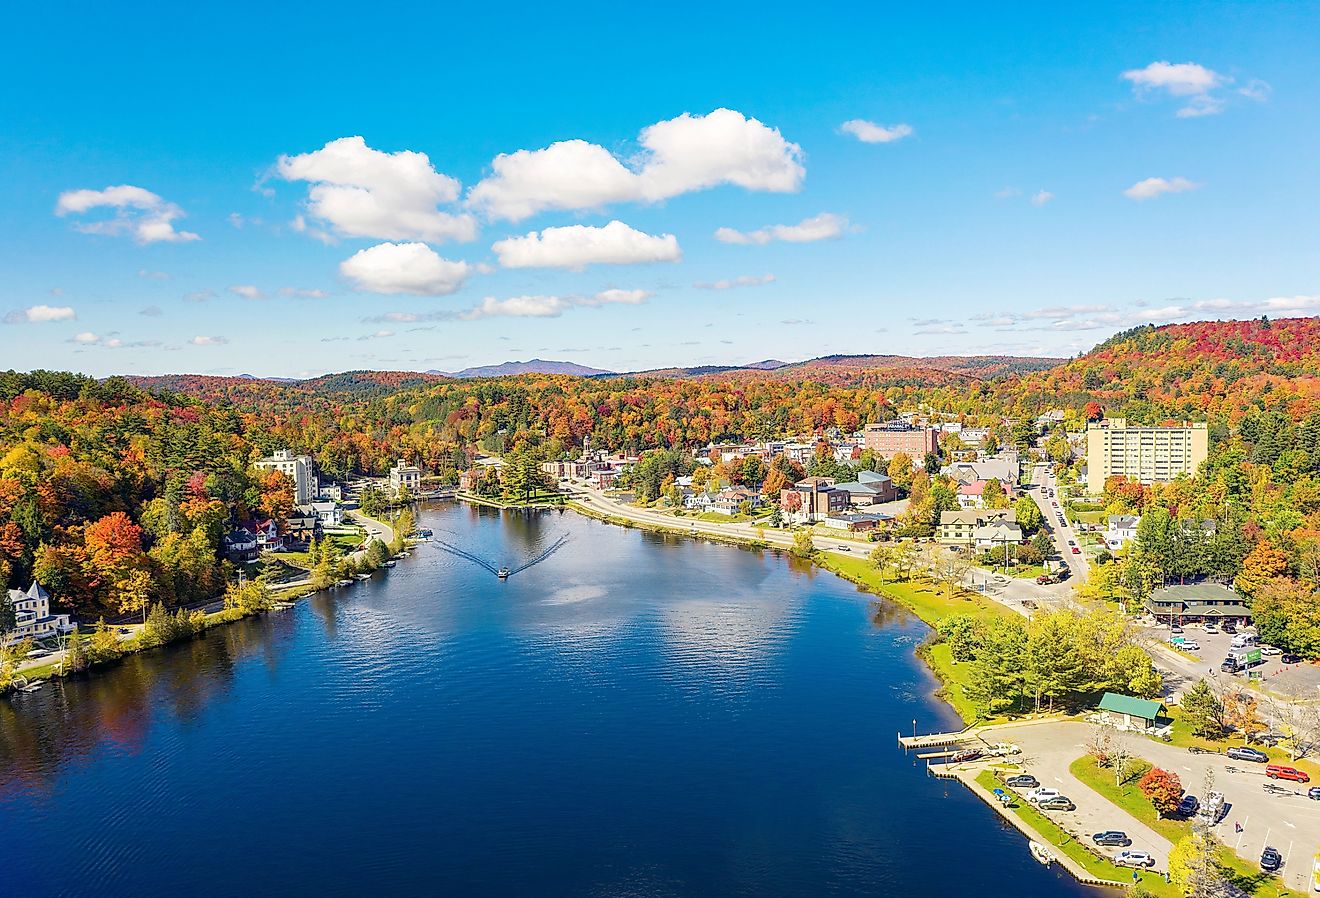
(638, 715)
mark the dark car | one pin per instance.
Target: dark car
(1057, 803)
(1022, 781)
(1112, 837)
(1270, 859)
(1243, 753)
(1187, 807)
(1313, 792)
(1290, 658)
(1065, 574)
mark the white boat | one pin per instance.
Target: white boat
(362, 576)
(1041, 853)
(389, 564)
(344, 583)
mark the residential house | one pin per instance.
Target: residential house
(328, 513)
(468, 480)
(298, 468)
(730, 501)
(1121, 529)
(331, 492)
(980, 527)
(268, 536)
(302, 524)
(816, 499)
(240, 545)
(1193, 603)
(32, 617)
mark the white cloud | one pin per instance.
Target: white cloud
(86, 338)
(138, 212)
(1041, 197)
(361, 192)
(199, 295)
(1199, 88)
(1153, 187)
(824, 226)
(578, 246)
(153, 275)
(208, 341)
(870, 132)
(549, 306)
(247, 291)
(404, 268)
(745, 280)
(40, 314)
(302, 293)
(1007, 193)
(681, 155)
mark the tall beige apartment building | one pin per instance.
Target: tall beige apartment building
(1144, 454)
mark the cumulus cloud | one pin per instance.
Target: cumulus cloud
(549, 306)
(86, 338)
(199, 295)
(1041, 197)
(208, 341)
(404, 268)
(153, 275)
(1153, 187)
(40, 314)
(745, 280)
(681, 155)
(577, 246)
(247, 291)
(870, 132)
(303, 293)
(1201, 90)
(152, 311)
(361, 192)
(138, 213)
(825, 226)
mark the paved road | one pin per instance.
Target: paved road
(1042, 480)
(1291, 824)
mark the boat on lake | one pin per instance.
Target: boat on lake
(344, 583)
(1041, 853)
(362, 576)
(389, 564)
(502, 573)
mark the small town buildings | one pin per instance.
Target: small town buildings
(405, 476)
(268, 535)
(298, 468)
(1198, 603)
(979, 527)
(1124, 712)
(856, 521)
(240, 545)
(869, 488)
(302, 524)
(891, 437)
(811, 500)
(1120, 529)
(331, 492)
(32, 617)
(468, 480)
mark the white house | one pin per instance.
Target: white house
(404, 476)
(32, 617)
(1121, 529)
(328, 513)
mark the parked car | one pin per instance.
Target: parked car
(845, 548)
(1284, 772)
(1189, 645)
(1243, 753)
(1229, 627)
(1134, 859)
(1057, 803)
(1024, 781)
(1042, 793)
(1270, 859)
(1313, 793)
(962, 757)
(1064, 574)
(1112, 837)
(1270, 650)
(1187, 807)
(1071, 543)
(1290, 658)
(1076, 551)
(1046, 579)
(1175, 629)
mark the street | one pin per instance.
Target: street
(1062, 534)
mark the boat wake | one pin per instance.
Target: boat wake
(502, 572)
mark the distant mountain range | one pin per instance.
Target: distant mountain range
(531, 366)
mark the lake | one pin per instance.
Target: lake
(636, 715)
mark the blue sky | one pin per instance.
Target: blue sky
(1030, 182)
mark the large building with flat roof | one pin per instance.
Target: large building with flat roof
(1143, 454)
(892, 437)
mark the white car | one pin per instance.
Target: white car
(1270, 650)
(1041, 793)
(1188, 645)
(1211, 628)
(1134, 859)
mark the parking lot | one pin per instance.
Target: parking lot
(1297, 680)
(1288, 820)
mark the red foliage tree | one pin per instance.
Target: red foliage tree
(1163, 789)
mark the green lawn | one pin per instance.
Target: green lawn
(1021, 571)
(1065, 844)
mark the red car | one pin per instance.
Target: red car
(1076, 551)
